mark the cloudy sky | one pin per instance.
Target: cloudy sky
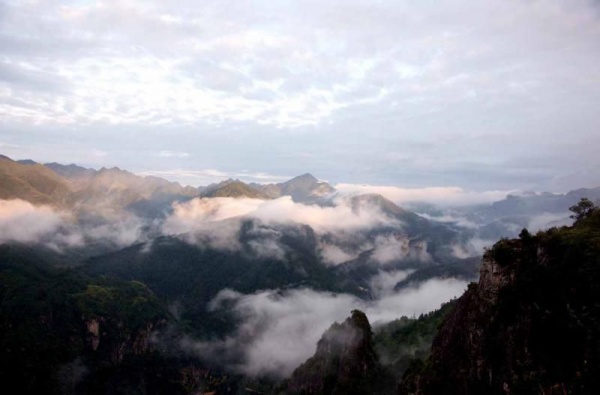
(498, 94)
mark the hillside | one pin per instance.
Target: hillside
(32, 182)
(531, 323)
(235, 189)
(64, 333)
(304, 188)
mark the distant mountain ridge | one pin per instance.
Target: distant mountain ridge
(32, 182)
(235, 189)
(72, 184)
(71, 171)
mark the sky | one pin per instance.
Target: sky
(480, 95)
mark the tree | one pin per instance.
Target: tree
(582, 210)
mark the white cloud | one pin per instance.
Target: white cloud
(190, 216)
(172, 154)
(547, 220)
(122, 231)
(280, 330)
(334, 255)
(23, 222)
(387, 249)
(341, 229)
(449, 218)
(386, 92)
(443, 196)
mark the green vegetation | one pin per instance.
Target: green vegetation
(62, 332)
(236, 189)
(405, 341)
(531, 325)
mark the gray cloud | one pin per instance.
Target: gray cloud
(280, 330)
(32, 79)
(494, 95)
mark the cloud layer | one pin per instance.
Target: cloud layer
(343, 230)
(280, 330)
(22, 222)
(341, 216)
(444, 196)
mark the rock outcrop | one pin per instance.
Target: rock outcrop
(531, 324)
(345, 362)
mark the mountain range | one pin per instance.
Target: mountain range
(120, 283)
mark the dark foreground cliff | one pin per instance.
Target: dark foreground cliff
(530, 326)
(345, 363)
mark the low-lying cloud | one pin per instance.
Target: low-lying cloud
(23, 222)
(279, 329)
(191, 215)
(443, 196)
(548, 220)
(340, 228)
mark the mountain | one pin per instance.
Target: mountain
(64, 333)
(72, 186)
(530, 325)
(405, 241)
(191, 272)
(31, 182)
(72, 171)
(345, 362)
(506, 217)
(305, 189)
(117, 189)
(27, 162)
(235, 189)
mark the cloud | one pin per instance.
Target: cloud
(209, 176)
(121, 231)
(32, 78)
(23, 222)
(20, 221)
(342, 230)
(439, 91)
(548, 220)
(452, 219)
(334, 255)
(387, 249)
(172, 154)
(383, 283)
(193, 215)
(444, 196)
(279, 329)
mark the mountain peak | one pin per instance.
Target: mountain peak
(236, 189)
(307, 177)
(28, 162)
(345, 361)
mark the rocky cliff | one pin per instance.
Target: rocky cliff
(529, 326)
(345, 362)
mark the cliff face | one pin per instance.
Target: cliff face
(344, 363)
(530, 326)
